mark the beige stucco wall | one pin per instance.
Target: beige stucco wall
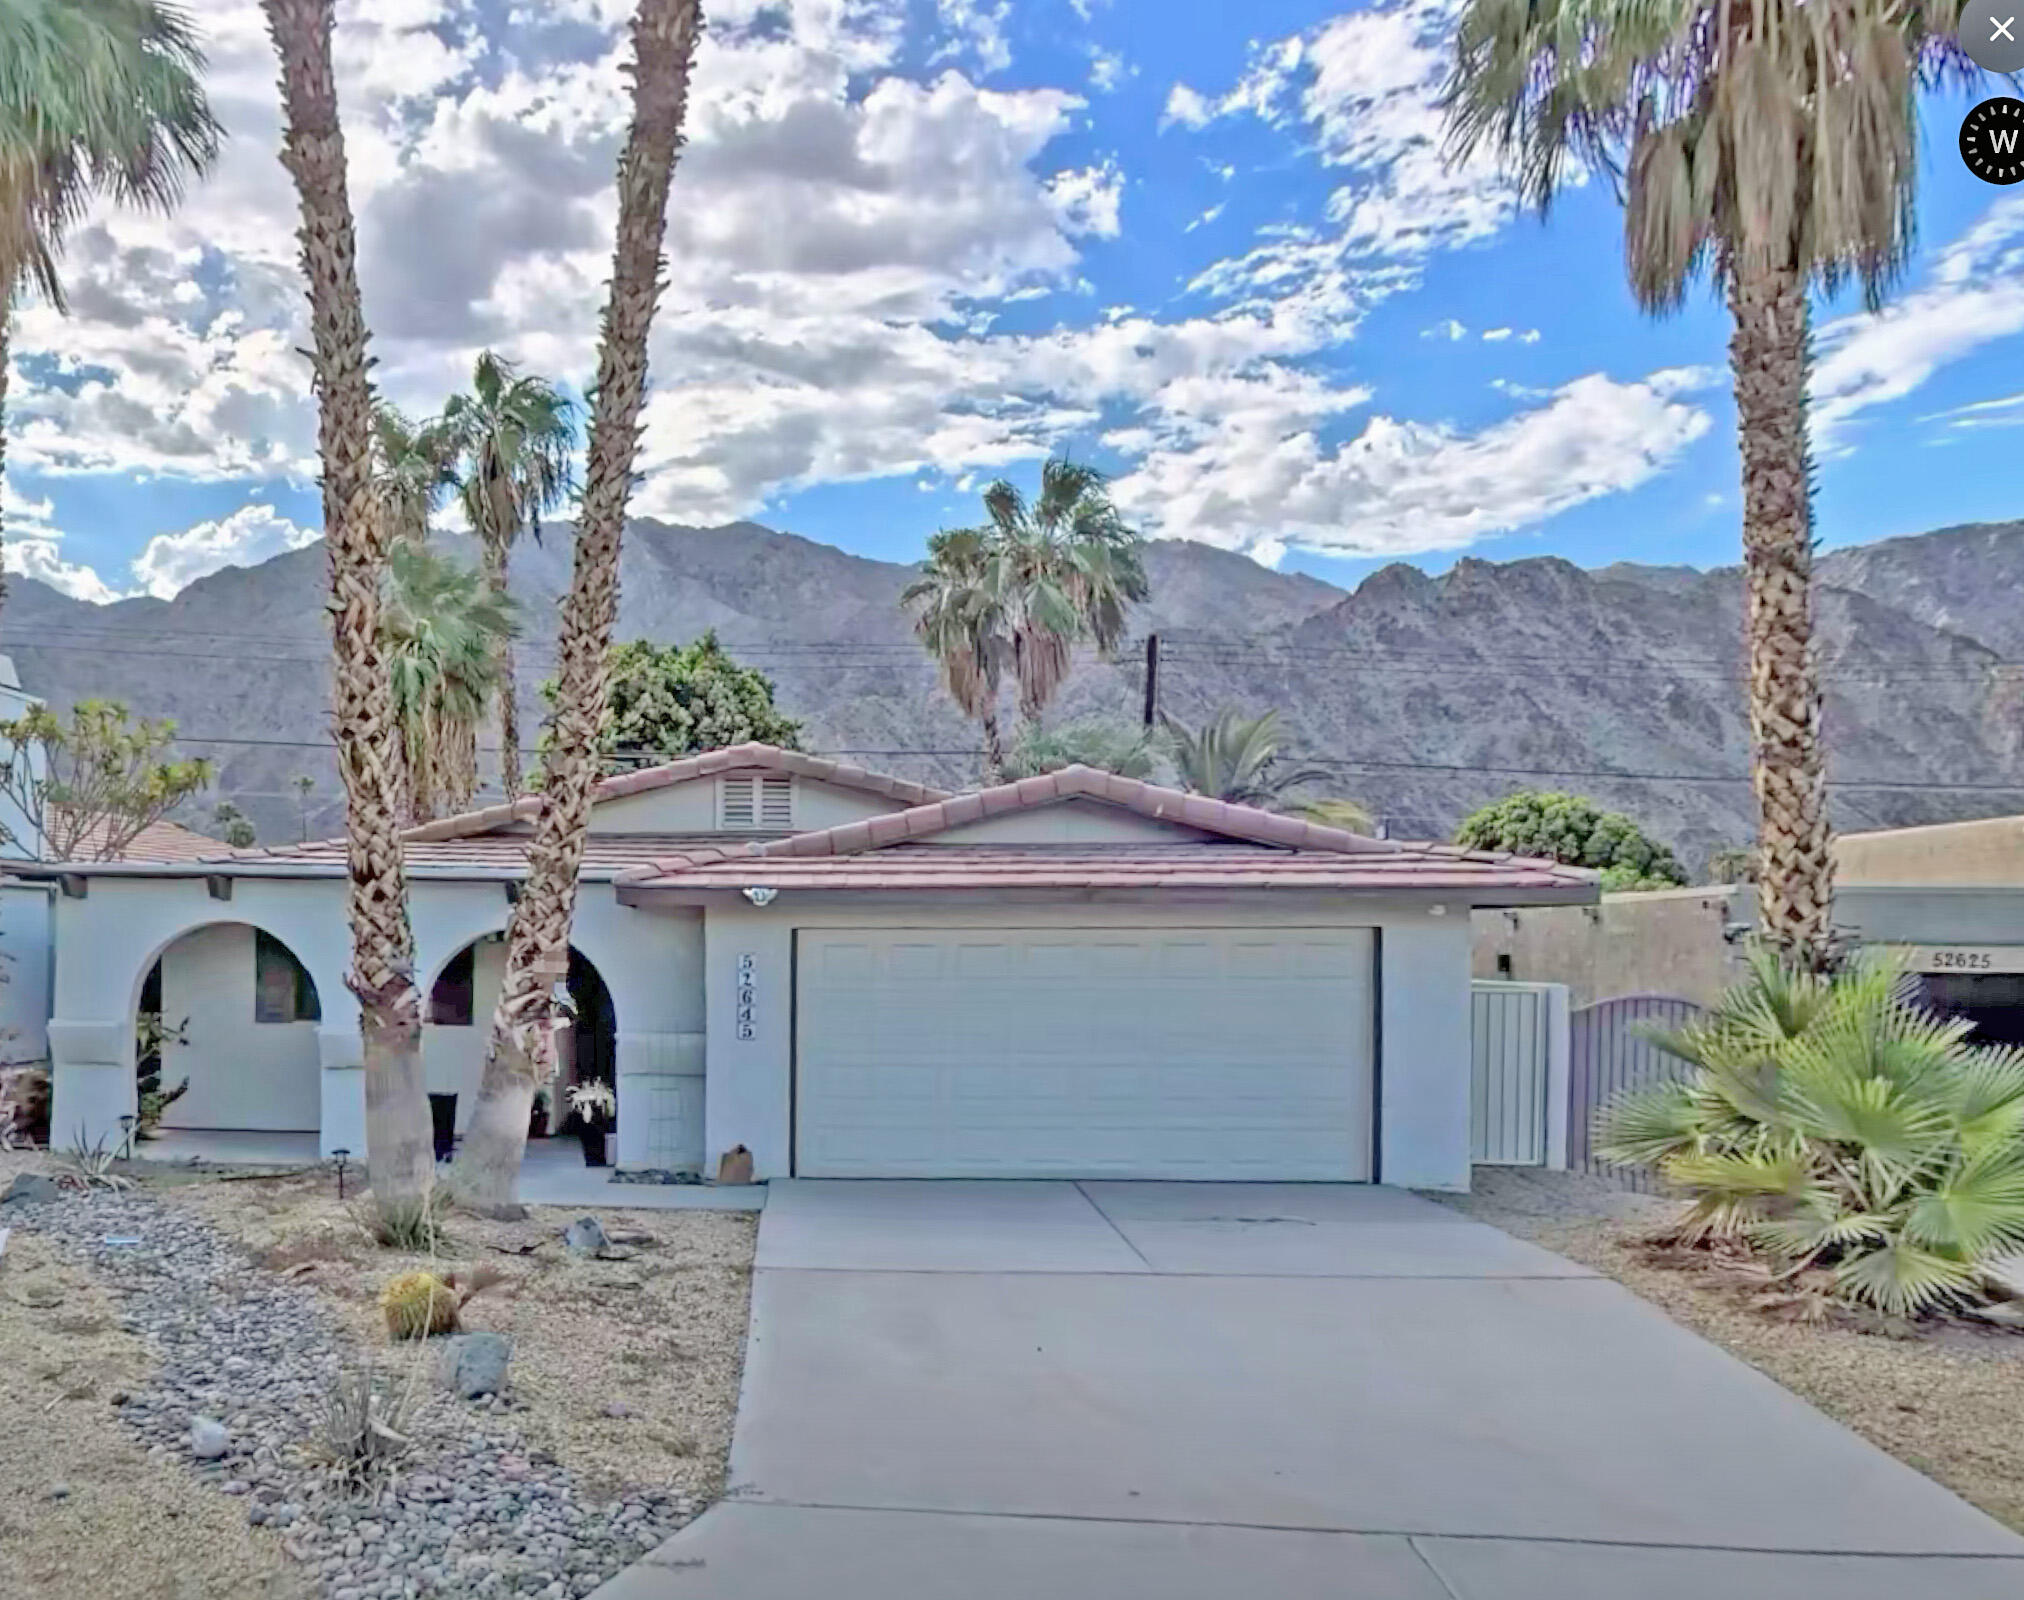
(1668, 942)
(1988, 853)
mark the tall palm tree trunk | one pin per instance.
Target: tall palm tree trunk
(382, 976)
(537, 942)
(509, 705)
(1770, 354)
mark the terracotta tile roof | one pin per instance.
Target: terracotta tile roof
(502, 855)
(158, 841)
(733, 758)
(883, 851)
(1125, 866)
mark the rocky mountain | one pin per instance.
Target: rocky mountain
(1424, 696)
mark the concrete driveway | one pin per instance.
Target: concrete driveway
(1106, 1391)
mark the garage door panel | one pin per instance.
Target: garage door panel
(1205, 1053)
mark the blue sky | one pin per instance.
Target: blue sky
(919, 243)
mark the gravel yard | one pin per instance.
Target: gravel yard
(1948, 1402)
(242, 1301)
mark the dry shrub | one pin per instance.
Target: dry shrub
(367, 1427)
(413, 1227)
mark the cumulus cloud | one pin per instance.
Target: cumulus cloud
(1447, 328)
(250, 535)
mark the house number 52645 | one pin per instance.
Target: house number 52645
(747, 994)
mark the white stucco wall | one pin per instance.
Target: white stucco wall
(1071, 822)
(243, 1073)
(106, 942)
(692, 807)
(1423, 1067)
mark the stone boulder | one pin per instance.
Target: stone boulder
(474, 1364)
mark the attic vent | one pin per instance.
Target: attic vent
(752, 801)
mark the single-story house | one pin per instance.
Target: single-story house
(1075, 975)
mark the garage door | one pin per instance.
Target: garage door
(1185, 1053)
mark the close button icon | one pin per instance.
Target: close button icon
(1992, 34)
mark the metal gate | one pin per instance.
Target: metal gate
(1518, 1087)
(1607, 1054)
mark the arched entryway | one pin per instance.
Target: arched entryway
(225, 1035)
(461, 1000)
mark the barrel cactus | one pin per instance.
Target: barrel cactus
(417, 1304)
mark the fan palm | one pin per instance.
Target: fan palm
(1062, 568)
(521, 1050)
(1235, 758)
(958, 617)
(356, 533)
(514, 436)
(1123, 748)
(1774, 147)
(413, 468)
(97, 97)
(1843, 1128)
(440, 625)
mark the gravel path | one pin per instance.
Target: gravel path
(474, 1510)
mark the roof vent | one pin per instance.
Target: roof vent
(756, 802)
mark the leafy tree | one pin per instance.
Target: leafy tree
(676, 700)
(513, 437)
(239, 831)
(89, 783)
(1124, 748)
(441, 629)
(97, 97)
(1842, 1130)
(960, 620)
(1566, 827)
(521, 1050)
(1773, 146)
(1236, 758)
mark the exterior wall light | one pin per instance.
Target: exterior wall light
(760, 895)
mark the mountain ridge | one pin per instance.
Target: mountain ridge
(1426, 694)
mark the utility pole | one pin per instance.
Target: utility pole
(1152, 679)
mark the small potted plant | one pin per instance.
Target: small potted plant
(595, 1107)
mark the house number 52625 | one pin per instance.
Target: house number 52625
(747, 994)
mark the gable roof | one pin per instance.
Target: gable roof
(1250, 848)
(732, 758)
(158, 841)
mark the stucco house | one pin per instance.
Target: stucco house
(852, 975)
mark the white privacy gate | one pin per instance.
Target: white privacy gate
(1518, 1089)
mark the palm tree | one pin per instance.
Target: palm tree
(356, 534)
(96, 97)
(1775, 147)
(514, 435)
(1233, 758)
(1063, 568)
(440, 625)
(521, 1051)
(1124, 748)
(413, 468)
(958, 617)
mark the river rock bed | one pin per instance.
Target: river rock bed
(472, 1511)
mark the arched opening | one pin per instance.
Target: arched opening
(225, 1036)
(459, 1019)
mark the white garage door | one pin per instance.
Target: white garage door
(1181, 1053)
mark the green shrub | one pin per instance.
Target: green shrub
(1835, 1124)
(1566, 827)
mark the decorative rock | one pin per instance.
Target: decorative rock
(618, 1408)
(59, 1491)
(31, 1188)
(474, 1364)
(208, 1439)
(585, 1237)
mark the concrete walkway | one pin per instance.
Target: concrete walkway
(1108, 1391)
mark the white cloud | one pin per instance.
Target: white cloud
(1189, 108)
(1447, 328)
(1087, 199)
(1207, 217)
(1496, 335)
(2006, 411)
(1974, 296)
(33, 541)
(250, 535)
(1529, 336)
(1107, 70)
(977, 30)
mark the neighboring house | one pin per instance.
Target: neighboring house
(1948, 896)
(855, 976)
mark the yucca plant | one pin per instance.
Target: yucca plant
(1835, 1123)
